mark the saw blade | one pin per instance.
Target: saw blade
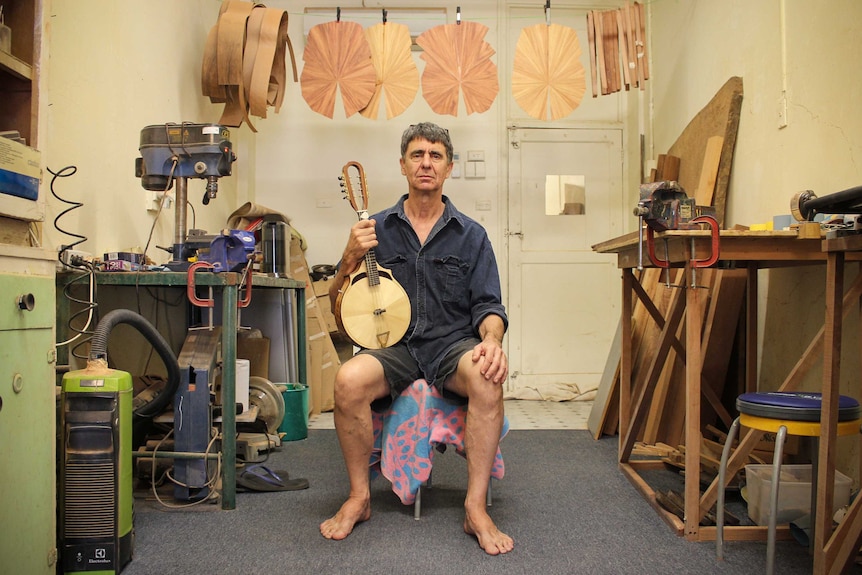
(267, 398)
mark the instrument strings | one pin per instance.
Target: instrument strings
(372, 275)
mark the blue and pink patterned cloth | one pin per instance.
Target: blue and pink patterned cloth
(406, 434)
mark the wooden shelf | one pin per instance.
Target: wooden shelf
(15, 67)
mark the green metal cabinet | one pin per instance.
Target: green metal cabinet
(27, 412)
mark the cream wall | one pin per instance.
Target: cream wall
(114, 68)
(797, 48)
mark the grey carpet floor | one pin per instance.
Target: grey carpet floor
(563, 500)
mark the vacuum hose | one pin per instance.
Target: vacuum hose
(99, 350)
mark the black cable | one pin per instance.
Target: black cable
(76, 263)
(89, 307)
(65, 173)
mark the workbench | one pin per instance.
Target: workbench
(228, 285)
(751, 251)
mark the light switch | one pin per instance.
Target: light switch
(474, 169)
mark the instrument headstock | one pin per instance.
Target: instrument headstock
(354, 187)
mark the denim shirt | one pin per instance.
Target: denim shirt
(452, 280)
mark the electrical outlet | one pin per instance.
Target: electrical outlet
(153, 199)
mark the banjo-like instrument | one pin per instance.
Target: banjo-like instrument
(372, 308)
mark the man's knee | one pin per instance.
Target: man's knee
(360, 379)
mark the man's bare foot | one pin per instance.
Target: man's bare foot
(354, 510)
(491, 540)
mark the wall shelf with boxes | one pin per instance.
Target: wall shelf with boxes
(21, 55)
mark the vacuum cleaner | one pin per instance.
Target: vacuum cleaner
(96, 504)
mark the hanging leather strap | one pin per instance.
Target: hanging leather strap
(244, 61)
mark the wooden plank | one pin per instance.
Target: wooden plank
(720, 117)
(670, 170)
(640, 44)
(630, 470)
(705, 192)
(639, 410)
(624, 53)
(642, 36)
(591, 43)
(600, 52)
(628, 20)
(599, 410)
(609, 27)
(694, 312)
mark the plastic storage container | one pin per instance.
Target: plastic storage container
(294, 425)
(794, 493)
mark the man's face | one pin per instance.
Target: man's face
(425, 165)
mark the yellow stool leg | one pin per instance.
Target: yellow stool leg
(773, 499)
(719, 505)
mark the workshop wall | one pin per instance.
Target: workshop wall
(785, 51)
(114, 68)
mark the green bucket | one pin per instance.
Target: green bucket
(294, 425)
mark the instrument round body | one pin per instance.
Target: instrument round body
(373, 314)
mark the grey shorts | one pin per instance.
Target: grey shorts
(401, 370)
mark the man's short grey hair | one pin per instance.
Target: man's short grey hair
(428, 131)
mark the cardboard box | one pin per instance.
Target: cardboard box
(794, 493)
(322, 357)
(20, 169)
(20, 174)
(321, 291)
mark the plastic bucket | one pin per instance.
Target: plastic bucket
(294, 426)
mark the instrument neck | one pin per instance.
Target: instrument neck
(371, 268)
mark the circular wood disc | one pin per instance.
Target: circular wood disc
(336, 56)
(458, 59)
(397, 76)
(548, 79)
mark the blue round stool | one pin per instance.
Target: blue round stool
(780, 412)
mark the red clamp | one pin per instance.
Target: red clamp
(714, 233)
(190, 289)
(246, 299)
(695, 263)
(650, 242)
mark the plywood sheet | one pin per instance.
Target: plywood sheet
(720, 117)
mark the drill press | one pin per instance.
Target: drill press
(176, 152)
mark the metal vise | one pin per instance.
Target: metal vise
(226, 252)
(665, 206)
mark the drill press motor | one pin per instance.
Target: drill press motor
(177, 152)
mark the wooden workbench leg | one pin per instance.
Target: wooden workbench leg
(829, 410)
(751, 330)
(625, 358)
(695, 305)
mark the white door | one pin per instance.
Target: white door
(563, 298)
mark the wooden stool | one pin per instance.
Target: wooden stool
(780, 413)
